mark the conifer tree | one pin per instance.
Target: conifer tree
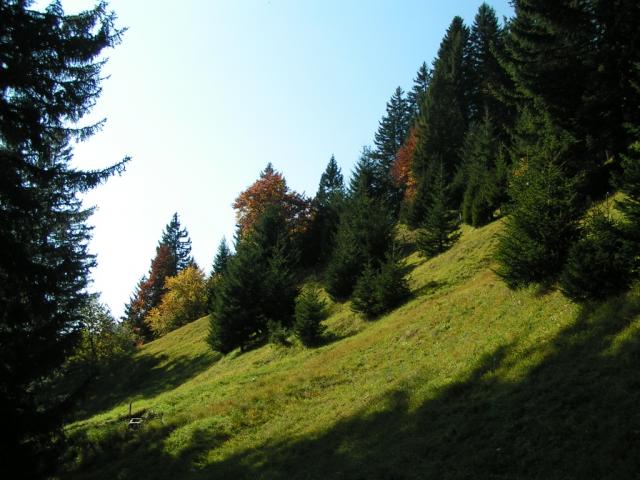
(149, 292)
(310, 312)
(483, 174)
(486, 48)
(420, 86)
(599, 263)
(364, 233)
(439, 229)
(545, 207)
(319, 241)
(220, 261)
(444, 115)
(177, 239)
(364, 293)
(51, 71)
(391, 134)
(575, 60)
(258, 287)
(219, 267)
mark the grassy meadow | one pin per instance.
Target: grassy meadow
(466, 380)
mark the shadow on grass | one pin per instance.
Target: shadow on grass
(147, 375)
(574, 416)
(428, 288)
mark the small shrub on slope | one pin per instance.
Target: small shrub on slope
(310, 311)
(599, 263)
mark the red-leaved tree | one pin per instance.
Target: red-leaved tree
(271, 189)
(401, 169)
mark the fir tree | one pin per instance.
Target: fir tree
(319, 241)
(258, 287)
(391, 134)
(364, 233)
(545, 205)
(220, 262)
(380, 290)
(417, 92)
(483, 174)
(444, 114)
(486, 48)
(364, 293)
(599, 263)
(177, 239)
(311, 310)
(440, 227)
(51, 71)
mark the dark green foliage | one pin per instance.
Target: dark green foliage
(630, 205)
(486, 47)
(599, 262)
(483, 174)
(311, 310)
(364, 235)
(439, 230)
(576, 60)
(179, 243)
(258, 287)
(545, 209)
(51, 73)
(420, 85)
(391, 134)
(380, 290)
(444, 115)
(319, 240)
(364, 293)
(220, 262)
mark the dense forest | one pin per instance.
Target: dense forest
(534, 119)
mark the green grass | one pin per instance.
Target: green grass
(466, 380)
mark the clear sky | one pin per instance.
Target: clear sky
(203, 94)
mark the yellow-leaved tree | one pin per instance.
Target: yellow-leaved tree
(184, 302)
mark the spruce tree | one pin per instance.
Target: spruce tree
(318, 242)
(545, 205)
(391, 134)
(220, 262)
(439, 230)
(177, 239)
(364, 293)
(486, 48)
(51, 71)
(482, 173)
(599, 263)
(444, 115)
(258, 287)
(311, 310)
(364, 232)
(417, 92)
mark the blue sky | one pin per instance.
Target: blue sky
(203, 94)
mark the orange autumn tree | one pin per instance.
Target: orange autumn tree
(401, 169)
(271, 189)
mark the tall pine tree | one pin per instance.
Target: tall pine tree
(319, 240)
(51, 71)
(417, 92)
(391, 134)
(176, 238)
(444, 115)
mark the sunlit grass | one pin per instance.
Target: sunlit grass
(464, 354)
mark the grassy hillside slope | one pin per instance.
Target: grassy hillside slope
(467, 380)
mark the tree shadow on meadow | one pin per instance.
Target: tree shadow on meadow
(137, 377)
(575, 415)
